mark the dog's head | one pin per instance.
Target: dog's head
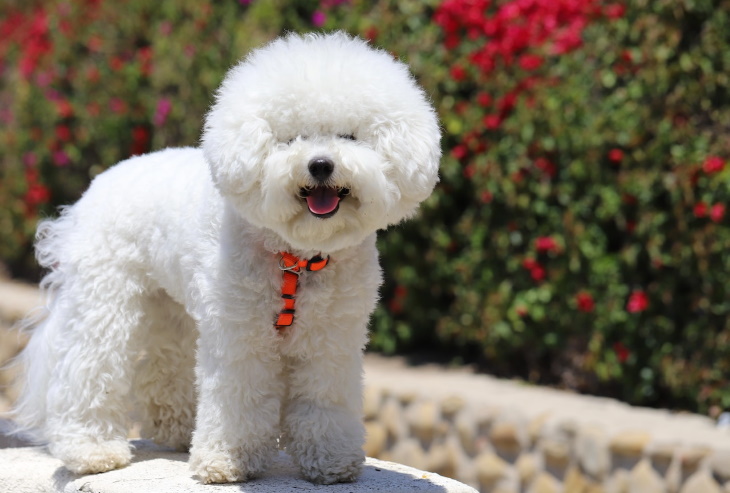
(323, 140)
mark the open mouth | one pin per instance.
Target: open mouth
(323, 202)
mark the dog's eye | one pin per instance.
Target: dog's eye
(298, 137)
(347, 136)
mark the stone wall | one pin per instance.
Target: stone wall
(479, 435)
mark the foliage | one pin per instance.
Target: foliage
(578, 235)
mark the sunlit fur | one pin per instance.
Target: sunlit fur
(164, 278)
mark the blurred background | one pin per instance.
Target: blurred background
(579, 236)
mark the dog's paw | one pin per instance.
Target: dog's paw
(323, 468)
(225, 467)
(89, 457)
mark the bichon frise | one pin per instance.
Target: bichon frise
(229, 287)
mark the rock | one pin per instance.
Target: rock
(409, 452)
(423, 418)
(644, 479)
(527, 466)
(591, 450)
(509, 436)
(720, 464)
(376, 438)
(154, 469)
(556, 454)
(700, 482)
(452, 405)
(534, 427)
(466, 429)
(618, 482)
(490, 469)
(391, 415)
(372, 399)
(630, 444)
(661, 456)
(574, 481)
(545, 483)
(690, 459)
(440, 460)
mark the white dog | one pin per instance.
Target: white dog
(175, 277)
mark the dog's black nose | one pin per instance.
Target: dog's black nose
(321, 168)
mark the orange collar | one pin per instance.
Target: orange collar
(291, 268)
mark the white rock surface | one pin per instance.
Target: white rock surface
(157, 470)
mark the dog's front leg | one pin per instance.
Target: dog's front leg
(240, 392)
(322, 424)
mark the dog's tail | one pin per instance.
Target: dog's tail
(44, 324)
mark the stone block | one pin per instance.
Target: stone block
(719, 463)
(423, 417)
(701, 482)
(452, 405)
(490, 469)
(376, 438)
(372, 400)
(644, 479)
(545, 483)
(592, 453)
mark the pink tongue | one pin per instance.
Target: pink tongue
(322, 200)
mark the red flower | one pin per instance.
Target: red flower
(529, 263)
(615, 155)
(458, 73)
(713, 164)
(521, 311)
(717, 212)
(545, 244)
(63, 133)
(585, 302)
(638, 302)
(459, 152)
(615, 11)
(140, 140)
(530, 62)
(492, 122)
(622, 352)
(546, 166)
(537, 272)
(700, 209)
(484, 99)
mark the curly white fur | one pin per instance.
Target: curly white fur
(165, 277)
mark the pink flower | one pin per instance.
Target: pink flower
(638, 302)
(163, 109)
(60, 158)
(319, 18)
(545, 244)
(713, 164)
(717, 212)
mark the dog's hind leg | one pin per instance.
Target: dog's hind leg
(93, 341)
(165, 377)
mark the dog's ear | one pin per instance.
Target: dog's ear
(235, 139)
(412, 145)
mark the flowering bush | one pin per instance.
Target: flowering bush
(578, 234)
(86, 84)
